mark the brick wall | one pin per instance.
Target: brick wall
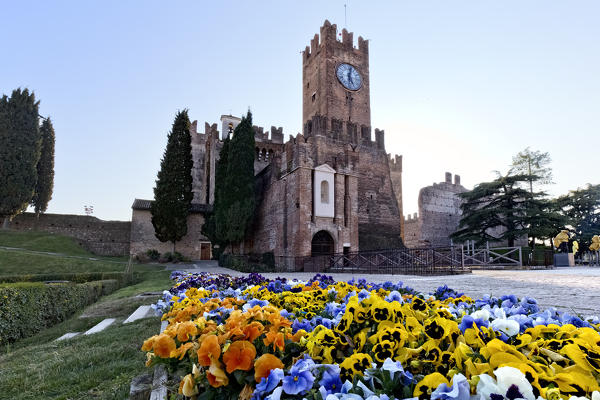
(106, 238)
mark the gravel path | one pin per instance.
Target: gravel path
(570, 289)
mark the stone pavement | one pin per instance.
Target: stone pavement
(576, 290)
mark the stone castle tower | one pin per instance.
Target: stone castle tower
(323, 93)
(337, 107)
(331, 189)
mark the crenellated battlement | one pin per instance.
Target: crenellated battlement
(262, 135)
(412, 217)
(329, 37)
(395, 162)
(344, 131)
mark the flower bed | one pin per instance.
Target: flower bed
(254, 338)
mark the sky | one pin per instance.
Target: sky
(458, 86)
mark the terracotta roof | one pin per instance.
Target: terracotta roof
(141, 204)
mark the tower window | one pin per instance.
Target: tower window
(314, 96)
(325, 192)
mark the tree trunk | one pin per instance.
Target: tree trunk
(173, 247)
(5, 223)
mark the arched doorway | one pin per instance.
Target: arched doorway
(322, 244)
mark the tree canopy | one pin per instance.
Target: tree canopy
(234, 201)
(239, 183)
(581, 208)
(173, 191)
(19, 152)
(45, 169)
(498, 210)
(534, 164)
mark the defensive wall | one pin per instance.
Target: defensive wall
(105, 238)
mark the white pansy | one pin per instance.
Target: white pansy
(483, 314)
(486, 386)
(508, 376)
(499, 312)
(508, 326)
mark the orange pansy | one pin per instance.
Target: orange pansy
(209, 350)
(216, 376)
(253, 330)
(276, 339)
(264, 364)
(182, 350)
(148, 343)
(163, 346)
(185, 330)
(239, 355)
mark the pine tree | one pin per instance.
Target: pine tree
(501, 203)
(45, 169)
(173, 192)
(238, 197)
(581, 207)
(535, 165)
(19, 152)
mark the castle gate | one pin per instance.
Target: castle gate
(322, 244)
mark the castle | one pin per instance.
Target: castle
(331, 189)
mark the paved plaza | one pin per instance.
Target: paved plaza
(569, 289)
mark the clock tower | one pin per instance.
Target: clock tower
(335, 78)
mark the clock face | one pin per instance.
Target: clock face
(348, 76)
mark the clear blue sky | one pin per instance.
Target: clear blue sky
(458, 86)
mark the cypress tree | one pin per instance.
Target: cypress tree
(173, 191)
(239, 199)
(45, 169)
(215, 227)
(19, 152)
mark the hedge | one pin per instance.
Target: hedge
(248, 263)
(76, 277)
(29, 307)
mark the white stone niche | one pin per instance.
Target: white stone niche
(324, 194)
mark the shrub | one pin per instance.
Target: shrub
(172, 257)
(153, 254)
(249, 263)
(178, 257)
(28, 307)
(122, 278)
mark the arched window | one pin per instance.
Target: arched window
(325, 192)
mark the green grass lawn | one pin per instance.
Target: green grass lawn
(42, 241)
(71, 257)
(98, 366)
(25, 262)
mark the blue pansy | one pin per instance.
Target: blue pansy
(298, 381)
(331, 382)
(468, 321)
(459, 390)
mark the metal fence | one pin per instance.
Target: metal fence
(507, 257)
(424, 261)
